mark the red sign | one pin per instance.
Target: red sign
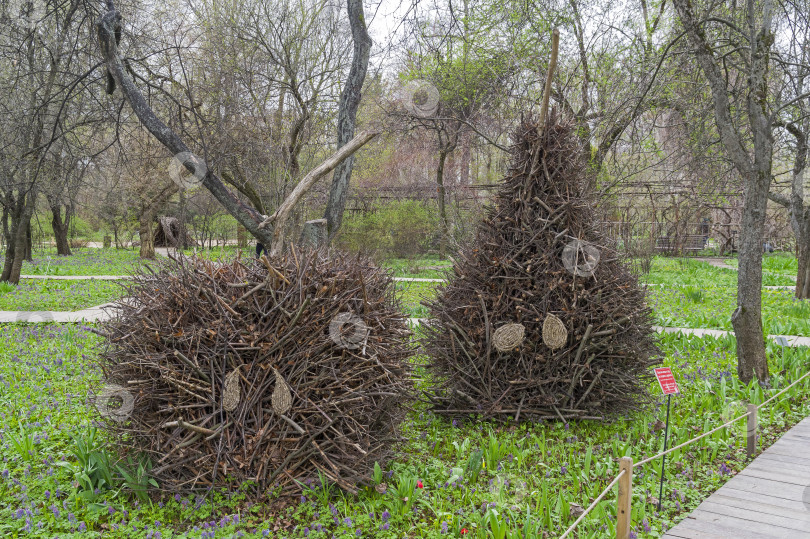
(666, 380)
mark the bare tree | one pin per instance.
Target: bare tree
(40, 73)
(109, 31)
(347, 114)
(733, 50)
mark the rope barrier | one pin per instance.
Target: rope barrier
(693, 440)
(590, 507)
(670, 450)
(788, 387)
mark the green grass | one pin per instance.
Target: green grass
(86, 261)
(776, 263)
(57, 295)
(424, 268)
(685, 271)
(710, 307)
(529, 474)
(494, 480)
(411, 294)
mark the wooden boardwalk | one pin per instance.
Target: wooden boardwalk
(770, 498)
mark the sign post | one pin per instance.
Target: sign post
(668, 386)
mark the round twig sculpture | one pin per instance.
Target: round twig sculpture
(236, 374)
(508, 337)
(554, 333)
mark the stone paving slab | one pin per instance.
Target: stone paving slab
(98, 313)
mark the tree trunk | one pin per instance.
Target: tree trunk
(747, 318)
(347, 115)
(440, 190)
(60, 229)
(241, 236)
(147, 237)
(803, 244)
(18, 238)
(29, 241)
(313, 235)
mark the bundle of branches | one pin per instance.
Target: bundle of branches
(272, 371)
(539, 319)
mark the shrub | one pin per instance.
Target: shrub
(399, 229)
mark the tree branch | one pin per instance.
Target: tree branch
(279, 218)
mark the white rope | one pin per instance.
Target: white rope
(693, 440)
(788, 387)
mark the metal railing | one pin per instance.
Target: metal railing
(626, 465)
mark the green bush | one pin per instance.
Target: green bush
(399, 229)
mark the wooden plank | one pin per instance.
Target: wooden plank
(737, 523)
(770, 498)
(782, 461)
(781, 467)
(788, 455)
(793, 505)
(794, 443)
(748, 514)
(795, 478)
(766, 487)
(803, 437)
(724, 529)
(759, 504)
(790, 451)
(686, 530)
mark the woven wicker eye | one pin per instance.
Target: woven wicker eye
(555, 335)
(281, 399)
(230, 395)
(508, 337)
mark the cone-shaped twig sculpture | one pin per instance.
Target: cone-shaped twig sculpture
(539, 260)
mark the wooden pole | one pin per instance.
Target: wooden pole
(751, 431)
(552, 65)
(625, 500)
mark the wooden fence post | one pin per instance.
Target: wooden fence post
(751, 431)
(625, 501)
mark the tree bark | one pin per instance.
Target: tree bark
(803, 275)
(60, 228)
(29, 241)
(279, 218)
(108, 26)
(441, 194)
(347, 115)
(147, 250)
(22, 208)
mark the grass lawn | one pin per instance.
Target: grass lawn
(695, 307)
(528, 474)
(686, 271)
(61, 476)
(424, 268)
(775, 263)
(57, 295)
(87, 261)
